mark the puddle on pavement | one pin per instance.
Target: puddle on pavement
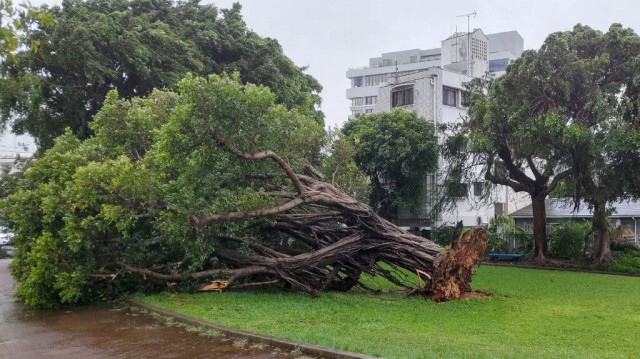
(109, 331)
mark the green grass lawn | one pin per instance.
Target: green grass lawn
(532, 314)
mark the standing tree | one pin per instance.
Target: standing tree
(593, 88)
(133, 47)
(569, 109)
(396, 150)
(505, 143)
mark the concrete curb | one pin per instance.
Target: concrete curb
(314, 350)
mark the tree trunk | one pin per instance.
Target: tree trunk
(602, 240)
(539, 228)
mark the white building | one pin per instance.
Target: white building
(12, 148)
(430, 82)
(496, 49)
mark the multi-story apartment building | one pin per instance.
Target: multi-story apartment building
(430, 82)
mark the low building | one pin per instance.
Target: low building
(624, 213)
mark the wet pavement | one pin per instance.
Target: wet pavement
(106, 331)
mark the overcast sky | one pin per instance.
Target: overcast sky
(330, 36)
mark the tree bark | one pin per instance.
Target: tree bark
(539, 228)
(602, 240)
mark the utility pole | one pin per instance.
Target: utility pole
(474, 13)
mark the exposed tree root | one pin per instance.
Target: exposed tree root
(454, 270)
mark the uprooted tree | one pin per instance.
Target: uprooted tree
(209, 183)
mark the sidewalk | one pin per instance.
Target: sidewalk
(105, 331)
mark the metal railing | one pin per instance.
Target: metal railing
(393, 63)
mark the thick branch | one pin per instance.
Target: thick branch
(557, 179)
(260, 156)
(197, 221)
(256, 284)
(232, 274)
(532, 166)
(515, 172)
(517, 186)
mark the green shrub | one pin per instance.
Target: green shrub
(628, 262)
(442, 235)
(623, 246)
(506, 237)
(570, 241)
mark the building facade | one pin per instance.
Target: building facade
(491, 52)
(431, 83)
(11, 149)
(625, 213)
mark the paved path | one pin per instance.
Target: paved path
(103, 332)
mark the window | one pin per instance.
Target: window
(413, 59)
(402, 96)
(357, 81)
(449, 96)
(371, 100)
(373, 80)
(498, 65)
(356, 112)
(429, 57)
(466, 98)
(369, 110)
(386, 62)
(478, 188)
(357, 101)
(460, 190)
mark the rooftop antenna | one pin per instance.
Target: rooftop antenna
(474, 13)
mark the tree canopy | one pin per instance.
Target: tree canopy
(588, 83)
(396, 150)
(14, 26)
(340, 168)
(567, 111)
(502, 142)
(125, 196)
(133, 47)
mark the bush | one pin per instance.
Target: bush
(628, 262)
(623, 246)
(442, 235)
(506, 237)
(570, 241)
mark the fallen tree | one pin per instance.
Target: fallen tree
(345, 239)
(208, 188)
